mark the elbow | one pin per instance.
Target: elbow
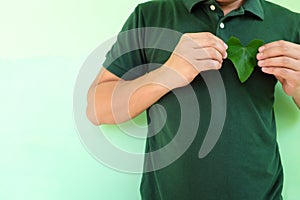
(97, 121)
(99, 110)
(91, 115)
(95, 117)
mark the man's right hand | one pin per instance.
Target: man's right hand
(112, 100)
(195, 53)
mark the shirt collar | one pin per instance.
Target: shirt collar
(252, 6)
(189, 4)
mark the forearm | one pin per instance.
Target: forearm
(115, 102)
(111, 102)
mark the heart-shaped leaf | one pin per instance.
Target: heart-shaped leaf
(243, 58)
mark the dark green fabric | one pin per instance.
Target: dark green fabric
(245, 163)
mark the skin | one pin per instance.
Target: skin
(282, 59)
(279, 58)
(229, 5)
(112, 100)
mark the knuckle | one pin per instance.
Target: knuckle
(208, 34)
(215, 55)
(210, 53)
(268, 62)
(283, 46)
(213, 43)
(213, 64)
(281, 42)
(218, 66)
(285, 61)
(282, 72)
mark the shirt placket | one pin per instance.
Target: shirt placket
(221, 20)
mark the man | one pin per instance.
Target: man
(245, 162)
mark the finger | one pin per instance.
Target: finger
(209, 43)
(279, 48)
(205, 40)
(208, 53)
(285, 62)
(292, 77)
(276, 43)
(204, 65)
(189, 49)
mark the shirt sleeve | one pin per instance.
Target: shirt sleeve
(126, 58)
(297, 27)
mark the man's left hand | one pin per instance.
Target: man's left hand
(282, 59)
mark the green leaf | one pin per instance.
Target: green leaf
(243, 58)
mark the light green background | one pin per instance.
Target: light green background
(43, 44)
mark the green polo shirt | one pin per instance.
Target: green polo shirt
(245, 162)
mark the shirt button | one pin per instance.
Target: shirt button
(222, 25)
(212, 7)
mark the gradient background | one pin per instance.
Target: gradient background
(42, 47)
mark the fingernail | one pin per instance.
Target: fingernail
(226, 46)
(225, 56)
(261, 48)
(260, 55)
(260, 63)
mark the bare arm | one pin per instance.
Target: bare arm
(112, 100)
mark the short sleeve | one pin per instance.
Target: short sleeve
(126, 58)
(297, 31)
